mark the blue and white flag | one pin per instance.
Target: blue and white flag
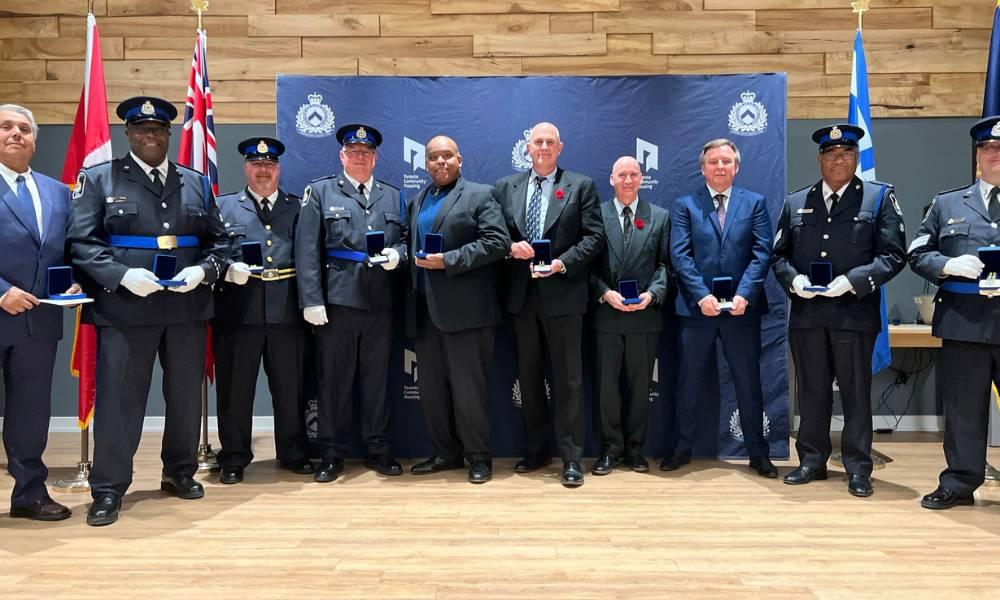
(860, 115)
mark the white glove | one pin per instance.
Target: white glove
(393, 261)
(838, 287)
(140, 282)
(191, 276)
(238, 273)
(315, 315)
(967, 266)
(799, 285)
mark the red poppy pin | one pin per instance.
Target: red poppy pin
(560, 194)
(639, 223)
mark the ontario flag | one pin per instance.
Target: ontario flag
(197, 149)
(89, 144)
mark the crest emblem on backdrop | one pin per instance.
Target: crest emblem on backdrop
(748, 117)
(315, 119)
(520, 160)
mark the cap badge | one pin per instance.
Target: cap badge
(835, 133)
(147, 108)
(361, 134)
(995, 132)
(262, 147)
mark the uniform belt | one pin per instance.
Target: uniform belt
(344, 254)
(274, 274)
(154, 242)
(960, 287)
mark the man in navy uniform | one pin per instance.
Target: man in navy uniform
(34, 210)
(721, 231)
(126, 212)
(549, 203)
(945, 252)
(349, 300)
(855, 227)
(257, 317)
(627, 335)
(453, 312)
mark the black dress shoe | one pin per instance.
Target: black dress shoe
(859, 485)
(481, 471)
(182, 486)
(803, 474)
(43, 509)
(604, 465)
(639, 464)
(384, 464)
(943, 498)
(672, 463)
(572, 474)
(104, 510)
(532, 463)
(231, 475)
(437, 464)
(301, 466)
(764, 467)
(329, 469)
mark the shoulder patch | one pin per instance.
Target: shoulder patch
(306, 194)
(81, 183)
(895, 204)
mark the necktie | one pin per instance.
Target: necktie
(535, 211)
(265, 209)
(361, 189)
(627, 224)
(155, 174)
(833, 202)
(720, 210)
(27, 204)
(993, 207)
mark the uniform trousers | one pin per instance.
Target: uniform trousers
(125, 357)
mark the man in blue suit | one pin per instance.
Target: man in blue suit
(34, 210)
(721, 231)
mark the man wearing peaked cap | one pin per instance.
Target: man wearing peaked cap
(126, 212)
(257, 315)
(956, 248)
(345, 291)
(847, 234)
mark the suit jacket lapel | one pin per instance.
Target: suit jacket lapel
(47, 200)
(974, 200)
(639, 235)
(447, 204)
(557, 204)
(707, 204)
(14, 204)
(520, 201)
(613, 230)
(281, 204)
(248, 203)
(736, 205)
(135, 174)
(173, 182)
(852, 198)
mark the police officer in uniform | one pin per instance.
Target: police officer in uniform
(857, 227)
(945, 252)
(257, 317)
(349, 299)
(127, 211)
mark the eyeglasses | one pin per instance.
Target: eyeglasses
(359, 152)
(990, 149)
(834, 155)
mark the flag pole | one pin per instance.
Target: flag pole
(207, 459)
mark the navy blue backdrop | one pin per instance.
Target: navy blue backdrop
(661, 120)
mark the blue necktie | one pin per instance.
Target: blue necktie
(535, 211)
(27, 204)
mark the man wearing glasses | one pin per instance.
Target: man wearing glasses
(847, 235)
(346, 294)
(947, 253)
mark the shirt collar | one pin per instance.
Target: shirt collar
(712, 193)
(162, 168)
(259, 200)
(619, 206)
(356, 183)
(985, 188)
(10, 175)
(827, 190)
(551, 177)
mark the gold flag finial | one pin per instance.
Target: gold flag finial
(202, 6)
(862, 6)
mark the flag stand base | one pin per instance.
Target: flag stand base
(76, 483)
(992, 475)
(207, 461)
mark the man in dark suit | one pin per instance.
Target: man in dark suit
(627, 329)
(721, 234)
(851, 230)
(349, 299)
(257, 317)
(34, 210)
(126, 212)
(453, 312)
(966, 318)
(547, 308)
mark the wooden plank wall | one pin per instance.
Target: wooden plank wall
(925, 57)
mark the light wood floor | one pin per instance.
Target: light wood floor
(712, 530)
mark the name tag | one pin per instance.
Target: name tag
(953, 221)
(116, 199)
(804, 211)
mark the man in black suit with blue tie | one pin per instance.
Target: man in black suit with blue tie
(34, 210)
(720, 234)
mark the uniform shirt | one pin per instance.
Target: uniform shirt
(548, 183)
(10, 176)
(368, 184)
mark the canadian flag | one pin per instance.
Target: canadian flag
(89, 144)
